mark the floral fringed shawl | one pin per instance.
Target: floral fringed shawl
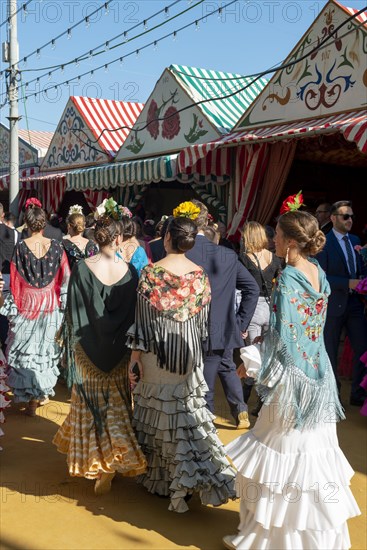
(171, 318)
(296, 373)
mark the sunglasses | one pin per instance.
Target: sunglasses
(346, 216)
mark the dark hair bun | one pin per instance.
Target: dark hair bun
(315, 244)
(35, 218)
(183, 232)
(105, 231)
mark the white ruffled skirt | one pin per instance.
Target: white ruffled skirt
(293, 486)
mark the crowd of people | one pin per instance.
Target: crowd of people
(141, 324)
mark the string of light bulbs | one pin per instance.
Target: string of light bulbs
(320, 46)
(121, 59)
(22, 7)
(68, 32)
(92, 53)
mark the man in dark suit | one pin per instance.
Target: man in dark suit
(322, 215)
(343, 267)
(226, 327)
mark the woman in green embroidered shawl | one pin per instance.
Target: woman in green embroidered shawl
(293, 478)
(97, 435)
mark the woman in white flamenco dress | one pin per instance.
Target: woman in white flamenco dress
(292, 477)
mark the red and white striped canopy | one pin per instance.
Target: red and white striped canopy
(352, 125)
(102, 115)
(362, 17)
(25, 173)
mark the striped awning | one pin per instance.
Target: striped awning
(102, 115)
(140, 172)
(362, 17)
(40, 140)
(24, 174)
(352, 125)
(208, 84)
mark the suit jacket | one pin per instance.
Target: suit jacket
(327, 227)
(7, 245)
(333, 262)
(226, 273)
(50, 232)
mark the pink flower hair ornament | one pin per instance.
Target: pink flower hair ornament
(33, 203)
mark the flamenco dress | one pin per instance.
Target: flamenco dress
(293, 479)
(4, 389)
(34, 308)
(173, 425)
(97, 436)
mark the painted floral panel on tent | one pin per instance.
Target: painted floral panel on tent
(163, 127)
(73, 144)
(330, 80)
(28, 155)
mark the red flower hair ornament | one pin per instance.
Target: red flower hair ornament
(292, 203)
(33, 203)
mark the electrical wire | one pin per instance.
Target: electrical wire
(258, 76)
(67, 32)
(22, 7)
(121, 58)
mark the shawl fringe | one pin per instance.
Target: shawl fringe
(177, 344)
(302, 401)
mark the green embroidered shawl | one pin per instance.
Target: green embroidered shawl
(296, 373)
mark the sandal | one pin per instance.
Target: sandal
(43, 401)
(103, 483)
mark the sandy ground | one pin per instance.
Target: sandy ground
(43, 508)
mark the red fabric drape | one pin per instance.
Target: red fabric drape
(95, 198)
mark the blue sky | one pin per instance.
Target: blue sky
(247, 37)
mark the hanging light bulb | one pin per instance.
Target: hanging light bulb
(106, 68)
(166, 11)
(155, 45)
(174, 36)
(220, 14)
(125, 36)
(62, 69)
(53, 43)
(145, 25)
(69, 34)
(49, 75)
(197, 26)
(137, 53)
(26, 85)
(79, 77)
(91, 74)
(87, 22)
(106, 8)
(37, 79)
(38, 53)
(25, 12)
(77, 62)
(106, 46)
(121, 61)
(90, 53)
(24, 62)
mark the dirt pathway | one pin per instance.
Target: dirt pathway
(43, 508)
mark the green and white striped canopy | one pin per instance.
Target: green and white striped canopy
(207, 84)
(122, 174)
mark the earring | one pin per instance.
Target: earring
(286, 255)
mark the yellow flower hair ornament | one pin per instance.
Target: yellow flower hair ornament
(186, 210)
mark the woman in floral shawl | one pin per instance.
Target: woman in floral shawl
(293, 478)
(172, 423)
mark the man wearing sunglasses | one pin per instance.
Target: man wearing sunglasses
(344, 268)
(322, 215)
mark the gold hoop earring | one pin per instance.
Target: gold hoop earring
(286, 255)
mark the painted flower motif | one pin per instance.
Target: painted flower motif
(152, 122)
(319, 305)
(171, 123)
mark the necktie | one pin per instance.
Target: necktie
(352, 270)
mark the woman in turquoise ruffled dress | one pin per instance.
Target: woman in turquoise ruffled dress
(293, 479)
(39, 275)
(130, 250)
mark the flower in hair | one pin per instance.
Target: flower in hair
(110, 209)
(33, 202)
(75, 209)
(125, 211)
(186, 210)
(292, 203)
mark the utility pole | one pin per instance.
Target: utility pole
(13, 108)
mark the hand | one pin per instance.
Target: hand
(133, 378)
(241, 371)
(353, 283)
(244, 334)
(258, 340)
